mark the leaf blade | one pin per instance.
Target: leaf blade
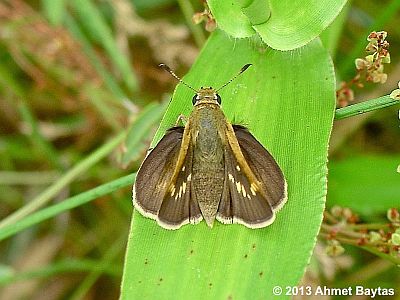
(231, 260)
(282, 25)
(293, 24)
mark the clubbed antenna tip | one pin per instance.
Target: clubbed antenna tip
(244, 68)
(165, 67)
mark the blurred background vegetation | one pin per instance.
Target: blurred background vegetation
(75, 75)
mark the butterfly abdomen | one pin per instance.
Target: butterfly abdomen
(208, 162)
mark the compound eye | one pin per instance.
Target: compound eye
(194, 99)
(218, 99)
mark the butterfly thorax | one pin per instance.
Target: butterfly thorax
(208, 157)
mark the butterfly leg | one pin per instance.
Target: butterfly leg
(181, 118)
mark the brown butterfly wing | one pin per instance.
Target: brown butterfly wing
(242, 204)
(151, 196)
(155, 172)
(179, 207)
(263, 166)
(239, 203)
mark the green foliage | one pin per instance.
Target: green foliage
(282, 25)
(198, 257)
(68, 87)
(93, 21)
(9, 228)
(367, 184)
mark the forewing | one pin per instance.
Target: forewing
(241, 202)
(264, 167)
(179, 206)
(155, 173)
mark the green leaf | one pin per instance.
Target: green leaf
(94, 22)
(282, 25)
(331, 36)
(287, 100)
(231, 18)
(148, 117)
(295, 23)
(367, 184)
(54, 10)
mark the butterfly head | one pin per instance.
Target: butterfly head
(206, 95)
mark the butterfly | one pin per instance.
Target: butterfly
(209, 169)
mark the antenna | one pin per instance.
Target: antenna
(168, 69)
(244, 68)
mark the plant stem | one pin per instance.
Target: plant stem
(67, 204)
(196, 30)
(108, 78)
(328, 216)
(363, 107)
(54, 189)
(95, 24)
(342, 230)
(382, 255)
(372, 226)
(340, 239)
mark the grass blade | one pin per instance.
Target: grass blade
(287, 99)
